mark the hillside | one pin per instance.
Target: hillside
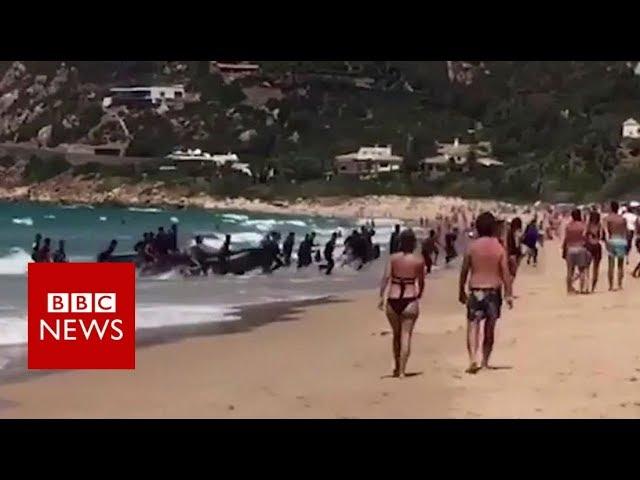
(556, 125)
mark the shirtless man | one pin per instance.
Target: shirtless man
(616, 237)
(486, 262)
(574, 251)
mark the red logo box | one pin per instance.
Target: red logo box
(81, 316)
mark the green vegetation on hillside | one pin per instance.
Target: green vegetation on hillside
(556, 125)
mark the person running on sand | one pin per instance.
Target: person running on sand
(594, 234)
(575, 253)
(486, 267)
(530, 240)
(616, 236)
(403, 284)
(450, 245)
(430, 248)
(514, 248)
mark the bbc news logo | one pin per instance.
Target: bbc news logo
(81, 316)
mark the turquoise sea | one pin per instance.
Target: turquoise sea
(170, 300)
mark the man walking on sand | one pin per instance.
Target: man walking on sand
(575, 253)
(485, 265)
(616, 236)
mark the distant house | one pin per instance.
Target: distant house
(368, 161)
(152, 96)
(456, 156)
(232, 71)
(630, 128)
(203, 159)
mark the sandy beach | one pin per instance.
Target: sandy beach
(558, 357)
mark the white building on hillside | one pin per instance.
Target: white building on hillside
(630, 128)
(198, 157)
(455, 157)
(368, 161)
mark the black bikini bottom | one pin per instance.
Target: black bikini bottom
(400, 304)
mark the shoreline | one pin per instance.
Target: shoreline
(250, 317)
(79, 191)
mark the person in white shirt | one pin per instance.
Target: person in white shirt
(631, 218)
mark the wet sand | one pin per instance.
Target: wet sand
(558, 357)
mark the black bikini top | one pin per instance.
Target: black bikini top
(403, 282)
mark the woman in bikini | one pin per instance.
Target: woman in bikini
(594, 234)
(403, 284)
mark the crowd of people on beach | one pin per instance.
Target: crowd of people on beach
(161, 248)
(494, 249)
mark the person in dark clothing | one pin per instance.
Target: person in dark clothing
(173, 238)
(394, 243)
(304, 252)
(530, 240)
(328, 254)
(224, 253)
(150, 251)
(139, 245)
(360, 249)
(429, 249)
(271, 254)
(44, 253)
(450, 245)
(106, 255)
(162, 242)
(60, 256)
(275, 251)
(287, 248)
(36, 247)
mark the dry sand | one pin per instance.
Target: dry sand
(561, 356)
